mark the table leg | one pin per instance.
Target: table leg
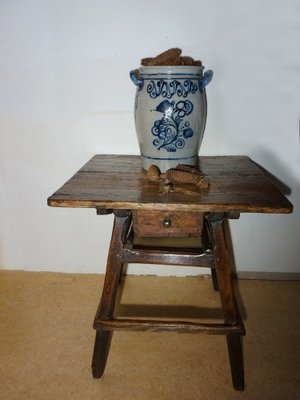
(231, 316)
(108, 299)
(101, 350)
(214, 279)
(235, 350)
(207, 245)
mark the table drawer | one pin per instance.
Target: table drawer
(167, 223)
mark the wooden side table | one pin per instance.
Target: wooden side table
(144, 214)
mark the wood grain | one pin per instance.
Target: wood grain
(117, 184)
(237, 184)
(167, 223)
(143, 325)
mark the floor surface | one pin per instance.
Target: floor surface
(47, 340)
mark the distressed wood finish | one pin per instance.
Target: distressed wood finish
(214, 255)
(167, 223)
(189, 258)
(118, 182)
(141, 325)
(112, 278)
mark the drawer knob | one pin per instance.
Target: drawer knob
(167, 222)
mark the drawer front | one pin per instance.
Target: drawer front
(164, 223)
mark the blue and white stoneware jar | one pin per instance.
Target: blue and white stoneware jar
(170, 113)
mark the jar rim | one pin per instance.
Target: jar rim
(171, 69)
(176, 67)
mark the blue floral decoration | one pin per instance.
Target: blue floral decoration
(169, 88)
(171, 130)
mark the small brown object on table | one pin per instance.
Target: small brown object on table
(142, 212)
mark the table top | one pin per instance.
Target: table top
(236, 184)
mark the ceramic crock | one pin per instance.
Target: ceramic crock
(170, 113)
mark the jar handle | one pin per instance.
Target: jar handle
(207, 77)
(136, 78)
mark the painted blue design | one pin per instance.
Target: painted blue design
(169, 88)
(207, 77)
(171, 130)
(136, 78)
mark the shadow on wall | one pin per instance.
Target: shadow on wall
(275, 238)
(269, 161)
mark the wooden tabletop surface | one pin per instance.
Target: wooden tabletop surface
(236, 183)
